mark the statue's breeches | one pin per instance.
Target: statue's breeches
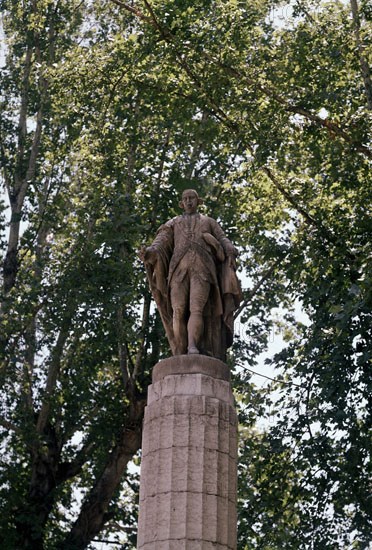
(190, 294)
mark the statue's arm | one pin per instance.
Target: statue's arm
(163, 243)
(226, 244)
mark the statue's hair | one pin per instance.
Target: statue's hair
(200, 201)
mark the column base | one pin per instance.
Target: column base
(189, 458)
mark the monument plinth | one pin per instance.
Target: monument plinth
(189, 457)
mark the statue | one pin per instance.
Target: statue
(191, 270)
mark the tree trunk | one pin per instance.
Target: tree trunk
(93, 514)
(32, 517)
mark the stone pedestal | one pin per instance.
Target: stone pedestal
(189, 458)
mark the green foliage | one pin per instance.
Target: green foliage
(106, 116)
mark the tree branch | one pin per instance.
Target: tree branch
(132, 10)
(258, 285)
(10, 426)
(17, 192)
(51, 381)
(197, 148)
(144, 330)
(122, 347)
(68, 470)
(331, 126)
(366, 72)
(22, 120)
(17, 189)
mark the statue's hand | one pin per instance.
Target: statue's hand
(141, 253)
(231, 262)
(230, 249)
(150, 255)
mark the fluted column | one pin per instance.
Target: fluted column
(189, 463)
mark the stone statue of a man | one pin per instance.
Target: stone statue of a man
(191, 271)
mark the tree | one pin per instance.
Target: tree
(108, 111)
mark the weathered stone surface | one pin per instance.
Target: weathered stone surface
(190, 384)
(188, 471)
(186, 364)
(186, 544)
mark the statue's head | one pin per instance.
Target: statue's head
(190, 201)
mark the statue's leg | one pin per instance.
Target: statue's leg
(199, 292)
(179, 300)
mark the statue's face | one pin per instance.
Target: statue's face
(190, 202)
